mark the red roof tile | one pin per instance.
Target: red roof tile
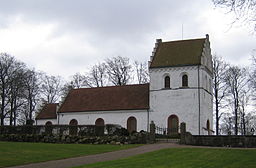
(48, 111)
(127, 97)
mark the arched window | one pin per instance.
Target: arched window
(184, 80)
(73, 127)
(48, 127)
(99, 122)
(99, 126)
(131, 124)
(167, 82)
(73, 122)
(48, 123)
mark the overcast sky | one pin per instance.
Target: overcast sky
(62, 37)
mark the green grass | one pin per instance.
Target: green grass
(186, 158)
(18, 153)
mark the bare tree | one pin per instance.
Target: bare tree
(12, 75)
(243, 103)
(253, 77)
(78, 81)
(226, 126)
(118, 70)
(51, 87)
(141, 70)
(236, 80)
(7, 70)
(97, 76)
(219, 88)
(16, 94)
(250, 122)
(31, 94)
(244, 10)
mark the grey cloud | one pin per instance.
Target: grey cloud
(114, 27)
(106, 18)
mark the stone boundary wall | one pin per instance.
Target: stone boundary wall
(84, 134)
(218, 141)
(222, 140)
(80, 130)
(136, 138)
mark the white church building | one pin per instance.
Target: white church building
(180, 90)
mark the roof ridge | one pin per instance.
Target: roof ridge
(111, 86)
(184, 40)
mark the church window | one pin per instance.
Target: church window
(48, 123)
(100, 126)
(48, 128)
(184, 80)
(167, 82)
(99, 122)
(131, 124)
(73, 127)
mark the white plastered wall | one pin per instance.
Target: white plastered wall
(109, 117)
(44, 121)
(180, 101)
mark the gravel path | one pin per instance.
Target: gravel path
(71, 162)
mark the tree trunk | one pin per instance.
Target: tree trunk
(217, 112)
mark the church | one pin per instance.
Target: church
(180, 90)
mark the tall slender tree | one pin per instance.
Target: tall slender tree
(236, 80)
(219, 88)
(32, 92)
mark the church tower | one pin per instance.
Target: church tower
(181, 85)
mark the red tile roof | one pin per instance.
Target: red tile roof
(48, 111)
(129, 97)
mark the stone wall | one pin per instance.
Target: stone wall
(86, 134)
(81, 130)
(219, 141)
(222, 141)
(136, 138)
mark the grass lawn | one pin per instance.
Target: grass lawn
(18, 153)
(186, 158)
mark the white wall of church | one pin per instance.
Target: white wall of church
(44, 121)
(109, 117)
(181, 101)
(175, 74)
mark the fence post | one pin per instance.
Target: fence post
(152, 136)
(182, 133)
